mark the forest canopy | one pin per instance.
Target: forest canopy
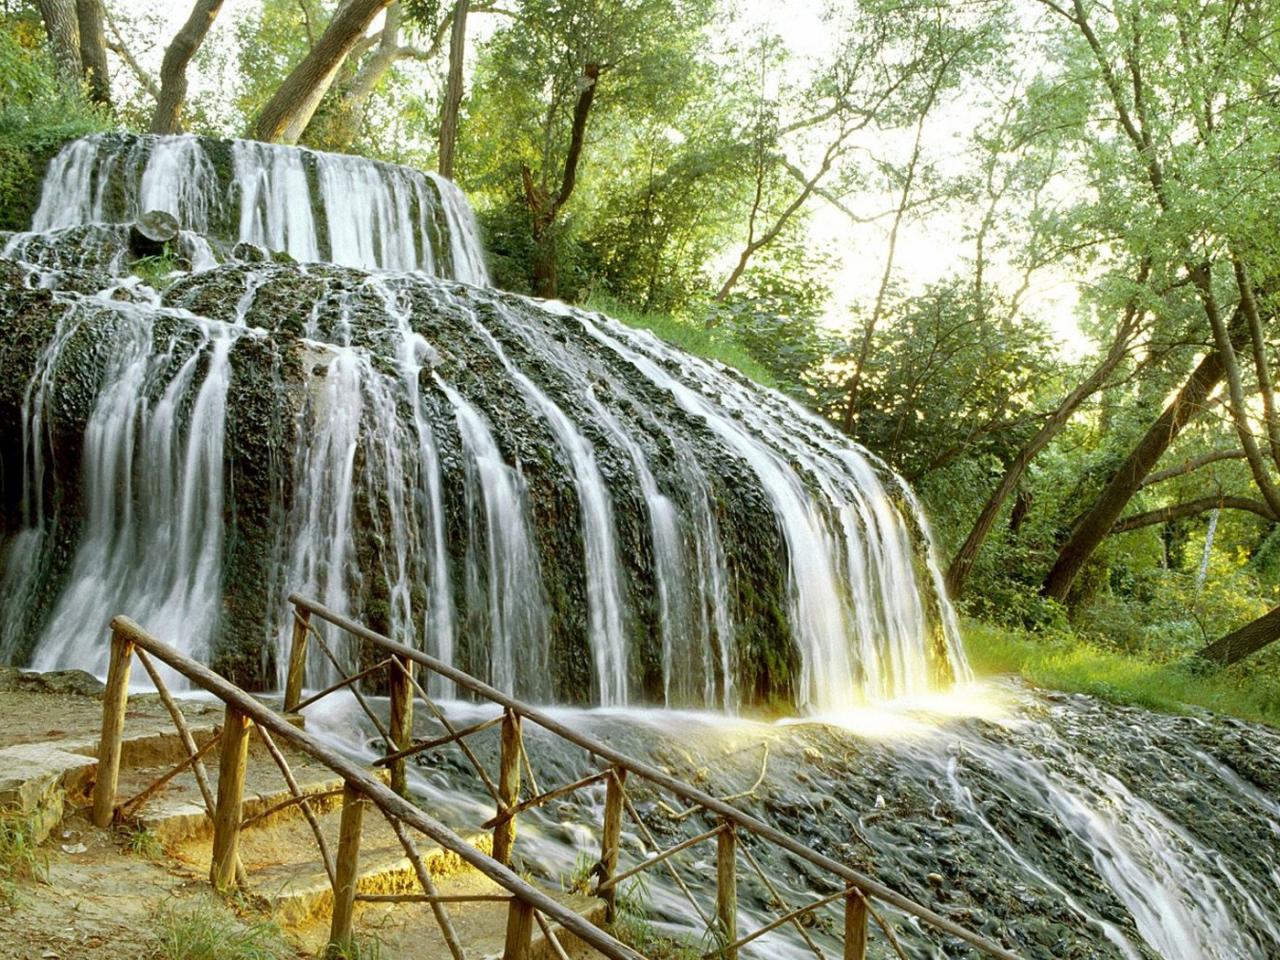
(1024, 250)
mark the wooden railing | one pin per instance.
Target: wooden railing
(856, 894)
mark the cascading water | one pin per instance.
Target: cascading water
(572, 510)
(313, 206)
(575, 512)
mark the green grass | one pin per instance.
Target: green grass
(1062, 662)
(209, 931)
(19, 857)
(690, 336)
(141, 842)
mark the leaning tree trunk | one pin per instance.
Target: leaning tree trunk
(173, 72)
(453, 88)
(962, 564)
(93, 50)
(1095, 525)
(63, 30)
(543, 206)
(1250, 638)
(288, 112)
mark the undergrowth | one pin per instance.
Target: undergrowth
(209, 931)
(1063, 661)
(20, 859)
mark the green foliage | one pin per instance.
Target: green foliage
(20, 858)
(579, 880)
(156, 271)
(38, 113)
(711, 344)
(209, 931)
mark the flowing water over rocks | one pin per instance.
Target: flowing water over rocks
(570, 509)
(317, 391)
(1059, 825)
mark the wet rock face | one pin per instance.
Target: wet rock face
(570, 509)
(1058, 826)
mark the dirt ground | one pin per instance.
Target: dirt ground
(100, 904)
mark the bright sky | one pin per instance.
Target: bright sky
(926, 251)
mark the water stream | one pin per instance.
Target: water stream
(324, 395)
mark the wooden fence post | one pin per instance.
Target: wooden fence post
(348, 867)
(519, 930)
(611, 837)
(401, 694)
(855, 927)
(297, 672)
(114, 699)
(727, 887)
(227, 814)
(504, 834)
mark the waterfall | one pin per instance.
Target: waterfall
(568, 508)
(311, 205)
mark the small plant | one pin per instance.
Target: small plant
(155, 271)
(19, 857)
(579, 881)
(210, 932)
(632, 927)
(357, 948)
(141, 842)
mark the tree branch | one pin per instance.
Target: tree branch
(1191, 508)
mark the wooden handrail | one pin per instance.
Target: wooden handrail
(373, 789)
(853, 878)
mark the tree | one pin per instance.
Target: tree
(286, 115)
(1165, 199)
(93, 50)
(62, 26)
(173, 72)
(563, 77)
(453, 89)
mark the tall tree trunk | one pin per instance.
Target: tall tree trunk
(63, 29)
(345, 127)
(962, 564)
(289, 111)
(453, 88)
(1094, 526)
(173, 72)
(543, 206)
(1250, 638)
(93, 50)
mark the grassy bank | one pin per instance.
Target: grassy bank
(688, 335)
(1064, 662)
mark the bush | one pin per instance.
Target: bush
(38, 114)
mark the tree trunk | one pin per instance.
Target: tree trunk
(545, 281)
(453, 88)
(962, 564)
(1250, 638)
(63, 29)
(289, 111)
(1094, 526)
(173, 72)
(543, 207)
(93, 50)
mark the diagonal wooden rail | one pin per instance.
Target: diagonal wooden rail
(526, 904)
(361, 788)
(865, 888)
